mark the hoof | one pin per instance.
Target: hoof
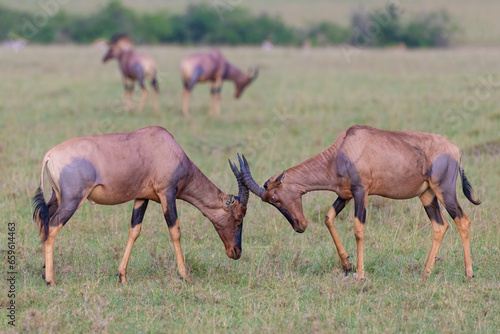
(122, 279)
(347, 268)
(187, 279)
(359, 279)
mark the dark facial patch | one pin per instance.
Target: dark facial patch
(287, 215)
(237, 239)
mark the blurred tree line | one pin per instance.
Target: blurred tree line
(212, 24)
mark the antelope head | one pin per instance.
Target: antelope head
(118, 44)
(230, 226)
(279, 194)
(247, 79)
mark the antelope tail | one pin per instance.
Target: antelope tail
(467, 188)
(40, 209)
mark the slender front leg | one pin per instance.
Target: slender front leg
(140, 206)
(439, 227)
(330, 216)
(170, 213)
(185, 103)
(359, 227)
(218, 85)
(129, 90)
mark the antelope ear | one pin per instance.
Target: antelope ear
(229, 202)
(281, 177)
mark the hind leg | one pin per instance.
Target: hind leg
(439, 227)
(463, 225)
(52, 205)
(443, 182)
(63, 213)
(447, 195)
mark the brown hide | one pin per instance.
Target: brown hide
(133, 67)
(212, 67)
(366, 161)
(147, 164)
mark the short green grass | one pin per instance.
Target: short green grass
(284, 282)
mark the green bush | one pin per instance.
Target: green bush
(209, 24)
(385, 28)
(111, 19)
(429, 30)
(327, 33)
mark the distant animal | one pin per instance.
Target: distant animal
(134, 67)
(213, 67)
(367, 161)
(147, 164)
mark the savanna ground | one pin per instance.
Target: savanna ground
(284, 282)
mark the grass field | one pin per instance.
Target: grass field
(284, 282)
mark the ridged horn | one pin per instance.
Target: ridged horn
(248, 179)
(243, 192)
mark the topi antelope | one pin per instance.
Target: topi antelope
(147, 164)
(134, 67)
(212, 66)
(366, 161)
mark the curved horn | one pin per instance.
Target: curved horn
(243, 192)
(248, 179)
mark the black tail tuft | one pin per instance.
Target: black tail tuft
(467, 188)
(41, 212)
